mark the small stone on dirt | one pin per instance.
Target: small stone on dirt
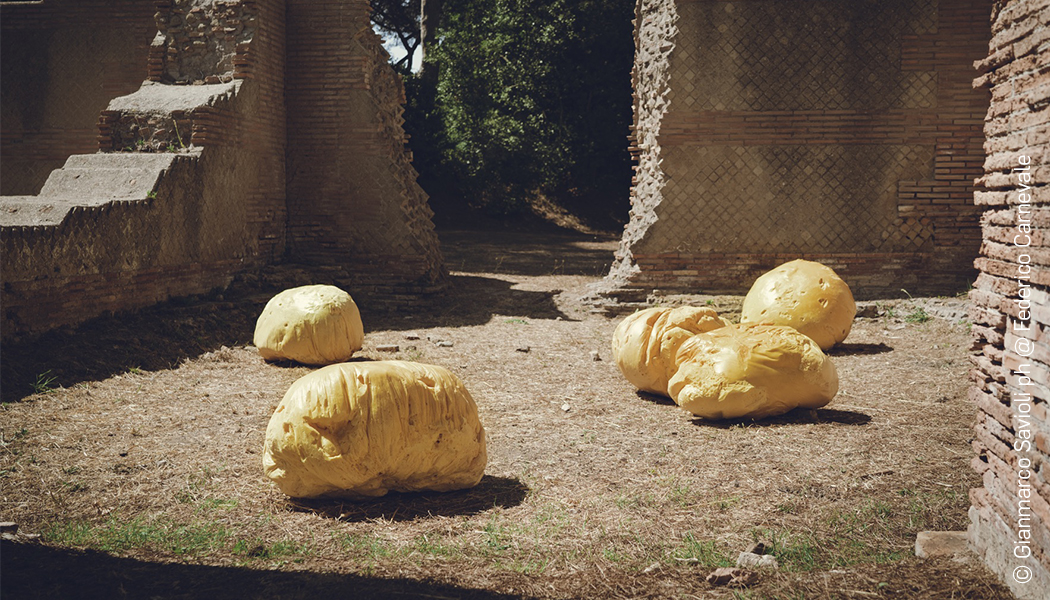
(411, 336)
(444, 344)
(566, 407)
(522, 349)
(867, 311)
(749, 560)
(595, 356)
(930, 544)
(731, 577)
(760, 547)
(388, 348)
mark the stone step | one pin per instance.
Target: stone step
(120, 160)
(37, 211)
(129, 176)
(88, 181)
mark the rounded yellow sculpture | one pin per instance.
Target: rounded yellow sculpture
(362, 429)
(645, 343)
(751, 371)
(805, 295)
(313, 325)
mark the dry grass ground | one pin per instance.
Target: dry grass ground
(139, 464)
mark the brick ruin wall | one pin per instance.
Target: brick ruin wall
(846, 133)
(213, 114)
(352, 192)
(1010, 514)
(63, 61)
(207, 132)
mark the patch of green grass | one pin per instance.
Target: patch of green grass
(682, 494)
(795, 552)
(918, 315)
(624, 502)
(433, 545)
(135, 370)
(516, 321)
(113, 535)
(529, 566)
(726, 503)
(72, 486)
(368, 547)
(253, 548)
(706, 553)
(212, 503)
(45, 383)
(497, 539)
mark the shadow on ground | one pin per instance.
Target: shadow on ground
(795, 417)
(655, 398)
(555, 252)
(857, 349)
(492, 492)
(161, 336)
(38, 571)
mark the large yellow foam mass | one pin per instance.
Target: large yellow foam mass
(805, 295)
(363, 429)
(313, 325)
(644, 344)
(751, 371)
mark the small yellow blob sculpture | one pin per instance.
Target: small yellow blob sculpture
(751, 371)
(805, 295)
(362, 429)
(312, 325)
(644, 344)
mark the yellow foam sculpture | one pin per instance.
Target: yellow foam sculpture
(361, 429)
(805, 295)
(645, 343)
(751, 371)
(313, 325)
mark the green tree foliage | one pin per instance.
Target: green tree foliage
(533, 98)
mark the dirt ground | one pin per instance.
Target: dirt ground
(131, 455)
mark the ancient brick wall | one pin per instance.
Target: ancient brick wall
(841, 132)
(187, 191)
(223, 160)
(352, 193)
(63, 61)
(1010, 514)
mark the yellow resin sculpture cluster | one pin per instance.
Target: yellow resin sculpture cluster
(751, 371)
(360, 429)
(312, 325)
(645, 343)
(769, 364)
(806, 296)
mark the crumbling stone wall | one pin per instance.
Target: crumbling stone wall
(1010, 514)
(305, 163)
(352, 192)
(63, 61)
(841, 132)
(160, 213)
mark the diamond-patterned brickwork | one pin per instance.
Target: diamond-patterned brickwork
(762, 198)
(771, 56)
